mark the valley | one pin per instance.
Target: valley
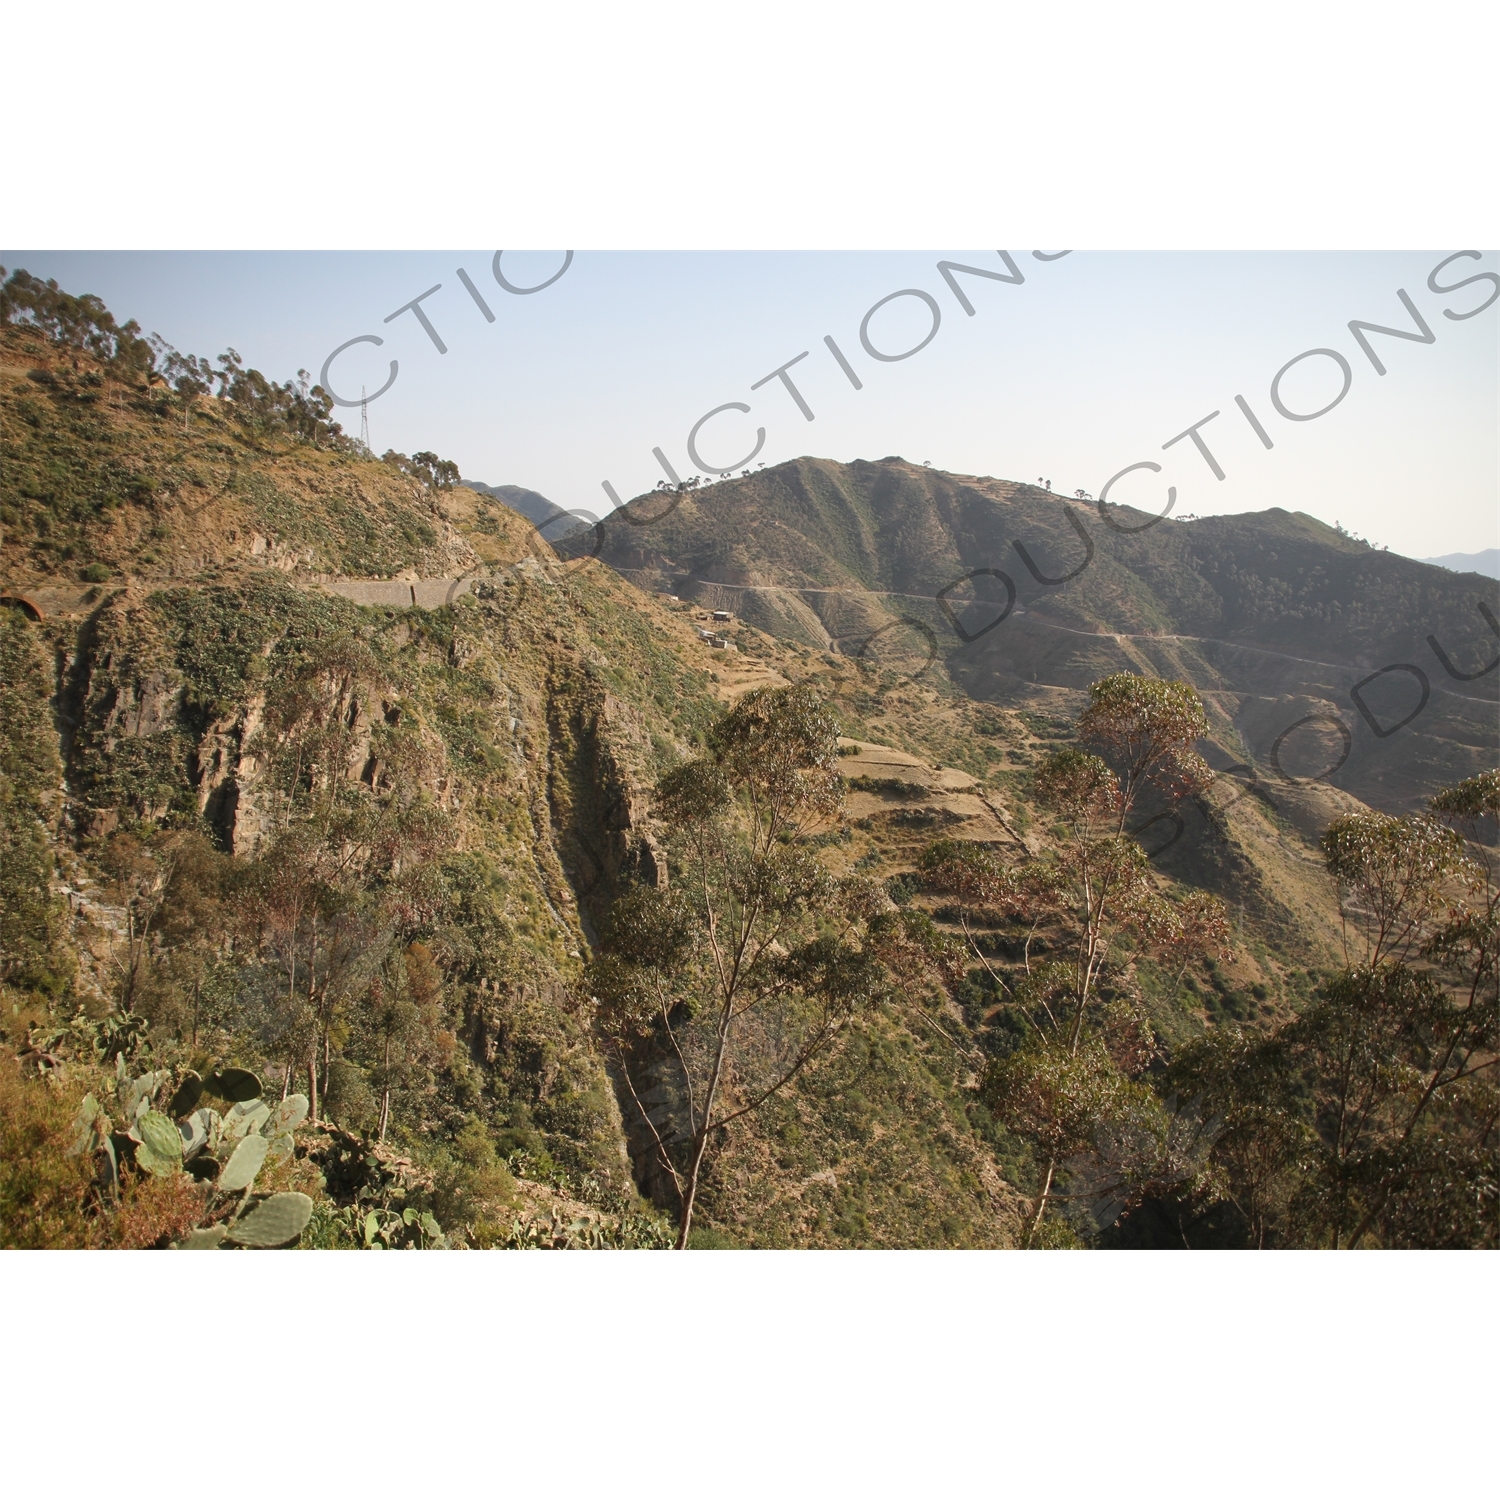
(328, 771)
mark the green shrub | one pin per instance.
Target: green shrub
(348, 1097)
(711, 1239)
(43, 1190)
(33, 950)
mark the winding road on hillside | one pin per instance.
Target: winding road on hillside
(1036, 619)
(434, 593)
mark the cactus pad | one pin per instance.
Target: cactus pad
(234, 1084)
(135, 1093)
(287, 1116)
(278, 1221)
(194, 1133)
(239, 1172)
(245, 1119)
(185, 1100)
(84, 1126)
(202, 1239)
(160, 1148)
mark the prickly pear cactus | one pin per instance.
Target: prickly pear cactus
(383, 1230)
(159, 1150)
(277, 1221)
(89, 1124)
(203, 1239)
(185, 1100)
(234, 1084)
(251, 1133)
(92, 1129)
(194, 1133)
(246, 1118)
(282, 1148)
(241, 1169)
(135, 1093)
(287, 1116)
(278, 1128)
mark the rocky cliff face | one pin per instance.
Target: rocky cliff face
(518, 709)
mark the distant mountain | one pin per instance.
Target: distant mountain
(552, 520)
(211, 634)
(1486, 563)
(1273, 615)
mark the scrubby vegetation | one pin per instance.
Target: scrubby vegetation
(517, 924)
(1371, 1113)
(113, 441)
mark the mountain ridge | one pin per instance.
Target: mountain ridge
(266, 658)
(1486, 563)
(1015, 587)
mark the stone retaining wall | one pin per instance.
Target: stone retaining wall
(424, 593)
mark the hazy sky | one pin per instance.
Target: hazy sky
(1091, 364)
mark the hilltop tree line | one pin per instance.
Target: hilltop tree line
(84, 331)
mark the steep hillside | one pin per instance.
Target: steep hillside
(551, 520)
(332, 771)
(1273, 615)
(105, 481)
(232, 620)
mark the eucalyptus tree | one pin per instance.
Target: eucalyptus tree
(1073, 1081)
(1145, 728)
(189, 375)
(1373, 1114)
(169, 884)
(713, 995)
(1401, 1046)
